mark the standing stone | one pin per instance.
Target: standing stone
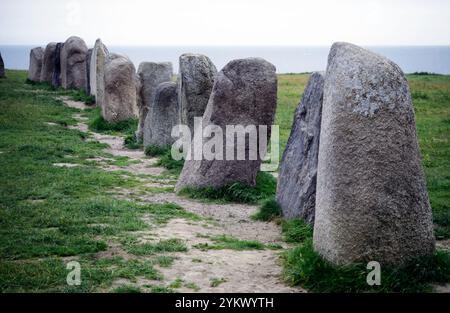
(73, 63)
(2, 67)
(97, 71)
(163, 116)
(48, 63)
(120, 89)
(195, 82)
(56, 75)
(88, 72)
(372, 202)
(244, 93)
(296, 190)
(150, 75)
(34, 71)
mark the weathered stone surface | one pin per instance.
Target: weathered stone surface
(244, 93)
(120, 89)
(34, 71)
(163, 116)
(48, 62)
(296, 190)
(2, 67)
(371, 201)
(56, 75)
(150, 74)
(73, 63)
(88, 72)
(195, 82)
(97, 71)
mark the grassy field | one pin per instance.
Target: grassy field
(50, 214)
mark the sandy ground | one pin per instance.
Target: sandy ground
(240, 271)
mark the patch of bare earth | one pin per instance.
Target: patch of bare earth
(238, 271)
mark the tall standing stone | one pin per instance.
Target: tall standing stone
(2, 67)
(163, 116)
(296, 190)
(120, 89)
(372, 203)
(48, 62)
(88, 72)
(73, 63)
(195, 82)
(56, 75)
(150, 74)
(97, 71)
(34, 71)
(245, 94)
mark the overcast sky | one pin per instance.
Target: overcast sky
(227, 22)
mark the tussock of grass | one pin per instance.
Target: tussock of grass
(99, 124)
(296, 231)
(127, 289)
(224, 242)
(237, 192)
(216, 282)
(130, 142)
(268, 211)
(154, 151)
(163, 246)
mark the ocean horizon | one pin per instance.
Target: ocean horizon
(287, 59)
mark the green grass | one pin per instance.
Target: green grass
(269, 210)
(49, 212)
(216, 282)
(224, 242)
(162, 246)
(265, 188)
(75, 94)
(153, 150)
(127, 289)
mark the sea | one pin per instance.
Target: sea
(287, 59)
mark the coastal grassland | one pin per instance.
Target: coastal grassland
(50, 214)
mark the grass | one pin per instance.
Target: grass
(224, 242)
(265, 188)
(269, 210)
(216, 282)
(49, 212)
(162, 246)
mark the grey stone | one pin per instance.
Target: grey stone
(296, 190)
(163, 116)
(34, 71)
(195, 82)
(56, 75)
(371, 200)
(73, 63)
(88, 72)
(150, 75)
(97, 71)
(2, 67)
(48, 63)
(244, 93)
(120, 89)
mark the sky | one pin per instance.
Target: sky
(227, 22)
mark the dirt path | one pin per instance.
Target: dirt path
(237, 271)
